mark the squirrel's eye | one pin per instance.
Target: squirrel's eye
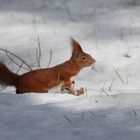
(83, 58)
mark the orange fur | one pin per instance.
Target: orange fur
(41, 80)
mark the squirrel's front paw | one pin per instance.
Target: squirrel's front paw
(69, 88)
(76, 92)
(80, 91)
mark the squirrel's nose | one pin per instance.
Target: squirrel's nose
(93, 60)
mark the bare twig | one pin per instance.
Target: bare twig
(19, 68)
(15, 61)
(92, 113)
(103, 86)
(38, 53)
(2, 88)
(111, 84)
(50, 58)
(102, 89)
(104, 92)
(67, 119)
(19, 58)
(116, 71)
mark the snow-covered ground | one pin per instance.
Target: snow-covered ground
(109, 30)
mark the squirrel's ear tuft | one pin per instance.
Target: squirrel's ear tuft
(75, 46)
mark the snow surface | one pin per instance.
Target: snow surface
(109, 31)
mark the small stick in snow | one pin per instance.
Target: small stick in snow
(67, 119)
(116, 71)
(93, 114)
(103, 87)
(111, 84)
(2, 88)
(134, 111)
(105, 92)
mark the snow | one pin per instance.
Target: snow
(109, 31)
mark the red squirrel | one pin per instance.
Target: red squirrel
(41, 80)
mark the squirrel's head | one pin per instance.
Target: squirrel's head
(79, 57)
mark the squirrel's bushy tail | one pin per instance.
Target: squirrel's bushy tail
(7, 77)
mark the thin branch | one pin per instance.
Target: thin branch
(102, 89)
(111, 84)
(103, 86)
(21, 66)
(104, 92)
(38, 53)
(67, 119)
(15, 61)
(94, 35)
(50, 58)
(116, 71)
(2, 88)
(19, 58)
(92, 113)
